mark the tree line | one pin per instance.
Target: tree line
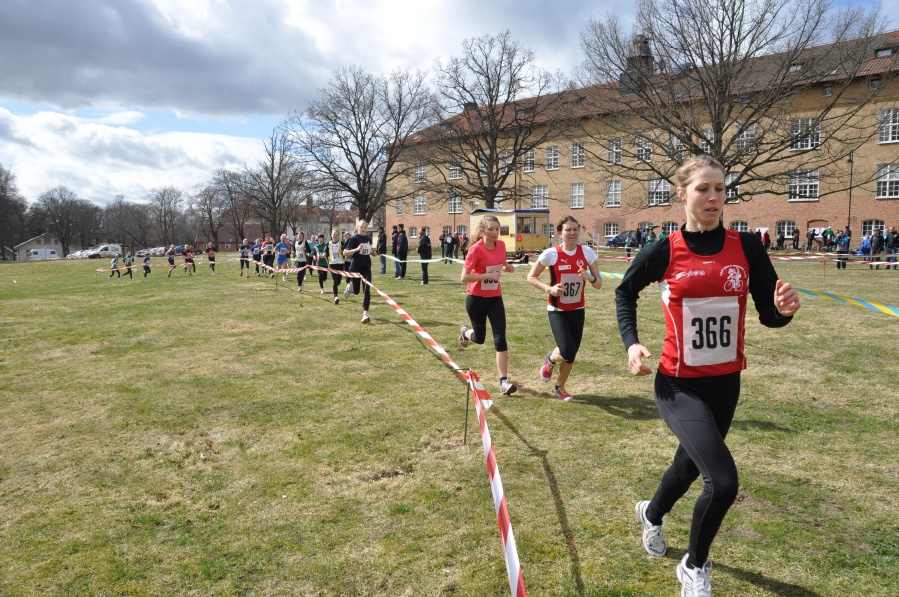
(699, 74)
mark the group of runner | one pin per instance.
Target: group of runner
(705, 275)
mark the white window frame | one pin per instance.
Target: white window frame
(577, 195)
(658, 192)
(888, 131)
(643, 148)
(399, 207)
(610, 229)
(613, 151)
(613, 193)
(805, 134)
(498, 200)
(868, 226)
(454, 171)
(732, 194)
(419, 205)
(462, 229)
(708, 138)
(527, 164)
(421, 173)
(675, 148)
(413, 232)
(739, 226)
(505, 161)
(539, 196)
(454, 203)
(745, 142)
(552, 157)
(669, 227)
(887, 186)
(803, 185)
(577, 155)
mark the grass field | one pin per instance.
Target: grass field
(210, 435)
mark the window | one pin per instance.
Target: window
(552, 157)
(884, 52)
(887, 181)
(420, 173)
(707, 140)
(548, 228)
(803, 185)
(447, 230)
(645, 227)
(539, 197)
(644, 149)
(455, 202)
(613, 193)
(827, 91)
(455, 170)
(746, 139)
(425, 231)
(731, 193)
(399, 207)
(610, 229)
(413, 231)
(669, 227)
(463, 230)
(577, 155)
(658, 192)
(498, 200)
(577, 195)
(868, 226)
(505, 162)
(805, 133)
(739, 226)
(419, 205)
(889, 125)
(875, 83)
(675, 148)
(795, 68)
(785, 226)
(482, 166)
(613, 151)
(527, 164)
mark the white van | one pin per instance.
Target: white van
(104, 251)
(41, 254)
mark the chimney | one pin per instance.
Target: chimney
(639, 66)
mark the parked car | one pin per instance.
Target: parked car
(618, 239)
(104, 251)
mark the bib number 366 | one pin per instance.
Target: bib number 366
(710, 330)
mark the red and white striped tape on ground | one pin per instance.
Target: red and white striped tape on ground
(482, 401)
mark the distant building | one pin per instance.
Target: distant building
(45, 246)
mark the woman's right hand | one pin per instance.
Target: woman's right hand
(635, 355)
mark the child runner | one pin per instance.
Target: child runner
(268, 255)
(300, 252)
(321, 260)
(358, 249)
(336, 262)
(189, 259)
(146, 265)
(485, 262)
(568, 266)
(705, 275)
(170, 257)
(114, 267)
(244, 257)
(129, 259)
(257, 255)
(210, 255)
(282, 249)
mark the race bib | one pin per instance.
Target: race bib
(366, 249)
(492, 283)
(572, 287)
(710, 330)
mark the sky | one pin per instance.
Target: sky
(120, 97)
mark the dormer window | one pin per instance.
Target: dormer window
(795, 68)
(884, 52)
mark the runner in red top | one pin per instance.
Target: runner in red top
(485, 262)
(571, 267)
(704, 273)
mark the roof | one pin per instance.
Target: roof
(508, 211)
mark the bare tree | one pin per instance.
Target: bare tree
(232, 186)
(353, 135)
(166, 205)
(495, 108)
(12, 211)
(724, 77)
(331, 203)
(275, 181)
(59, 210)
(210, 207)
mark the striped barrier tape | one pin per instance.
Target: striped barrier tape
(889, 310)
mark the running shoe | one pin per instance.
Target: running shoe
(347, 292)
(299, 289)
(284, 278)
(546, 372)
(323, 291)
(336, 300)
(507, 388)
(560, 393)
(365, 317)
(653, 535)
(695, 582)
(463, 339)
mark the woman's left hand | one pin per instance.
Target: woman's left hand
(786, 299)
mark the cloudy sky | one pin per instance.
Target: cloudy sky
(113, 97)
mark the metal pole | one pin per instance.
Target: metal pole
(850, 161)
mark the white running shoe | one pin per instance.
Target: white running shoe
(284, 278)
(347, 292)
(507, 388)
(365, 317)
(336, 300)
(323, 291)
(695, 582)
(299, 289)
(463, 339)
(653, 535)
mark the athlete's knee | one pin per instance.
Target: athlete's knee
(499, 342)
